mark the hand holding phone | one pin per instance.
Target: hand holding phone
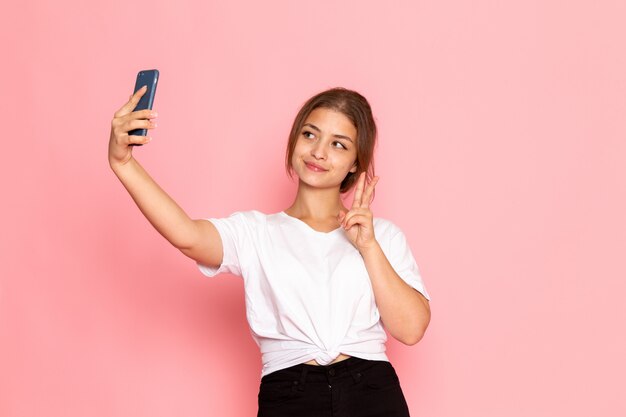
(128, 119)
(150, 79)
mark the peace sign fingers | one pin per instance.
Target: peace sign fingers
(369, 193)
(358, 191)
(363, 194)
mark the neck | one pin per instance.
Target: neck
(316, 203)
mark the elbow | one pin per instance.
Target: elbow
(412, 334)
(412, 338)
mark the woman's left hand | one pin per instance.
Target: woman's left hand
(358, 222)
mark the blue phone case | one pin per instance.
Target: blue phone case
(149, 78)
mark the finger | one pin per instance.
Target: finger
(132, 102)
(148, 116)
(138, 124)
(142, 114)
(357, 219)
(354, 212)
(358, 192)
(136, 140)
(369, 192)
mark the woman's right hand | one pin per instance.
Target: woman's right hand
(125, 120)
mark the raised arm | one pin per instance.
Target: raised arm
(404, 311)
(198, 239)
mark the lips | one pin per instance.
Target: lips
(314, 167)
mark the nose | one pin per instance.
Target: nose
(318, 150)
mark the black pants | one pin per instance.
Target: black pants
(351, 388)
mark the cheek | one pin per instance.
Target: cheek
(294, 157)
(297, 149)
(350, 161)
(344, 166)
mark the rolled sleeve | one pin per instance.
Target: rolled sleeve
(230, 231)
(403, 262)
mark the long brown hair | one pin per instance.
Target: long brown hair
(356, 108)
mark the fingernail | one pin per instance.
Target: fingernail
(154, 114)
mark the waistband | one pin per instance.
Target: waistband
(352, 367)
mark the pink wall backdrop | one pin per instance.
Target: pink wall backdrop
(502, 155)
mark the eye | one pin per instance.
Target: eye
(339, 145)
(308, 134)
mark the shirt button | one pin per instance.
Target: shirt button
(331, 372)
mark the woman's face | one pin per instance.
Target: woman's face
(325, 150)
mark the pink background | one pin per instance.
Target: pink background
(502, 156)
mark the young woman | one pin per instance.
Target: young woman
(320, 278)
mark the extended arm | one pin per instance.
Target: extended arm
(197, 239)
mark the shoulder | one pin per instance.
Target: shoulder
(389, 234)
(385, 228)
(250, 216)
(251, 219)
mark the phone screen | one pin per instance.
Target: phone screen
(149, 78)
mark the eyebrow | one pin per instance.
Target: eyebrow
(312, 126)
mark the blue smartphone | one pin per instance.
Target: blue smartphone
(151, 79)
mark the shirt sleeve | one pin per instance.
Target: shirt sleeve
(232, 230)
(403, 262)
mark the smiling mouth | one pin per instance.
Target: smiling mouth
(314, 167)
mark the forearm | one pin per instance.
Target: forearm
(404, 311)
(167, 217)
